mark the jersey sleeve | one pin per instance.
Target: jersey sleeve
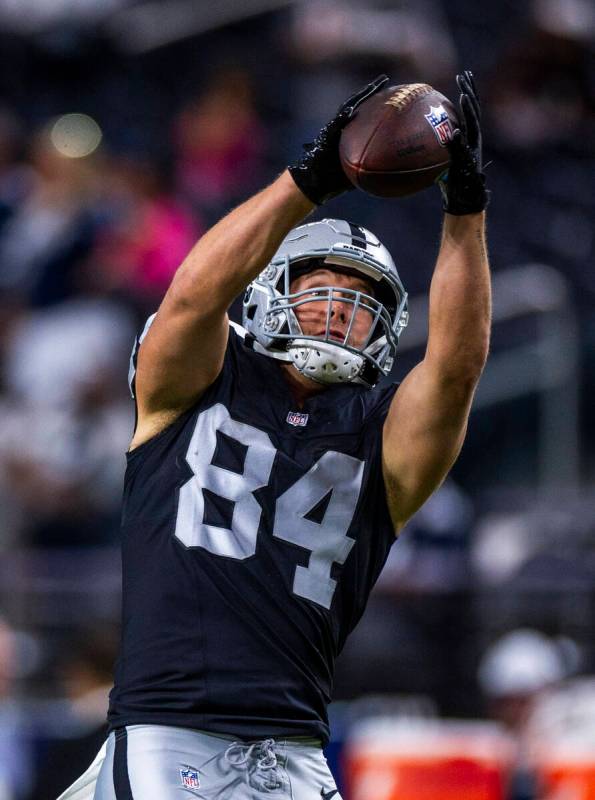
(134, 355)
(230, 364)
(236, 338)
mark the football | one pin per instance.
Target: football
(397, 143)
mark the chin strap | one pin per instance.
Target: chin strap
(252, 344)
(324, 362)
(321, 362)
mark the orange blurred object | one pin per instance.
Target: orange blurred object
(428, 760)
(561, 741)
(568, 779)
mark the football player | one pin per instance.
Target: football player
(270, 471)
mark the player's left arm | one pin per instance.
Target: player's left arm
(427, 420)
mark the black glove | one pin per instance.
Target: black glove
(463, 185)
(318, 173)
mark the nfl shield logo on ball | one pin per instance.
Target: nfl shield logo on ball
(438, 119)
(189, 778)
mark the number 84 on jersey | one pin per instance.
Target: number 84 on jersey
(336, 477)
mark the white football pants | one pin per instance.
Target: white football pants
(158, 762)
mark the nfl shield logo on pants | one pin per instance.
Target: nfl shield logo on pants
(189, 778)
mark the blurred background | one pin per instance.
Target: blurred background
(127, 128)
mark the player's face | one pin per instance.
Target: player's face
(312, 316)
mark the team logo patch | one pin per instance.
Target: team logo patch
(189, 778)
(438, 119)
(297, 418)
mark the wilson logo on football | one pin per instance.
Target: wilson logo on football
(438, 119)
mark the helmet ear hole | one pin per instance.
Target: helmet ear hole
(250, 312)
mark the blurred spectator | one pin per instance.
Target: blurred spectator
(16, 177)
(33, 16)
(515, 670)
(52, 224)
(560, 738)
(433, 553)
(146, 235)
(417, 623)
(86, 671)
(528, 543)
(66, 423)
(415, 36)
(15, 755)
(220, 144)
(543, 92)
(515, 674)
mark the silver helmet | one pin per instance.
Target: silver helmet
(269, 306)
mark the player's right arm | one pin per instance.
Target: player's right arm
(182, 353)
(183, 350)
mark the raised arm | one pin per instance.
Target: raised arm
(427, 420)
(183, 351)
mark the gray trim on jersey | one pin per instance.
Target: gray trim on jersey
(238, 329)
(168, 763)
(139, 340)
(137, 343)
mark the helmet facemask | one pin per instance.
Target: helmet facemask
(271, 312)
(335, 353)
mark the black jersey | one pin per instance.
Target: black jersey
(253, 533)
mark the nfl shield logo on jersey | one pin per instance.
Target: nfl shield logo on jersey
(438, 119)
(189, 778)
(297, 418)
